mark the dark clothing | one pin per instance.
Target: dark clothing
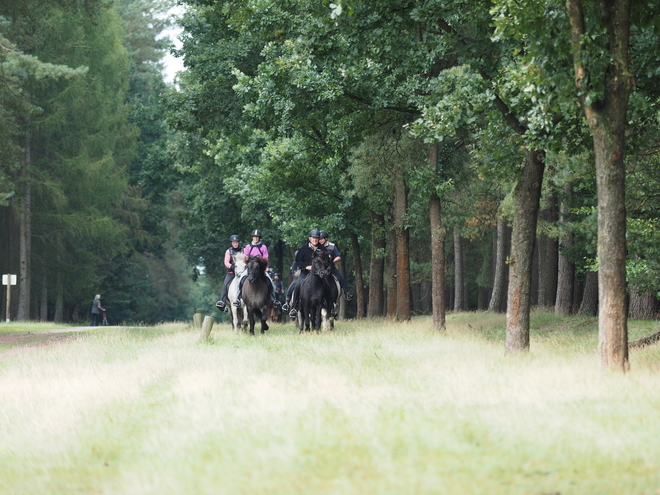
(304, 256)
(225, 285)
(303, 260)
(96, 313)
(232, 252)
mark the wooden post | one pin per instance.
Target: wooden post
(197, 319)
(207, 326)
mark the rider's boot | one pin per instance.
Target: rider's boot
(238, 302)
(293, 313)
(348, 297)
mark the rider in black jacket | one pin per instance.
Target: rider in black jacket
(304, 263)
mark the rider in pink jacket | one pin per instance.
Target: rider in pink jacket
(257, 248)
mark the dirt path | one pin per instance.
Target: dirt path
(29, 340)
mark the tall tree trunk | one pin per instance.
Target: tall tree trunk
(566, 268)
(43, 300)
(642, 304)
(402, 250)
(438, 234)
(459, 272)
(25, 247)
(359, 280)
(589, 304)
(607, 121)
(342, 304)
(58, 316)
(497, 296)
(376, 302)
(526, 198)
(548, 258)
(390, 273)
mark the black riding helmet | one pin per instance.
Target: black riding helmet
(234, 238)
(314, 233)
(256, 233)
(323, 234)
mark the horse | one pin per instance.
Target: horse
(256, 293)
(237, 314)
(313, 293)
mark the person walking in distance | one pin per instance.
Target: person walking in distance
(96, 311)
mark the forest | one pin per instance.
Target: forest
(464, 155)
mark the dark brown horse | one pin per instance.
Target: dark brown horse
(256, 293)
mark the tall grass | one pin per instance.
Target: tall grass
(375, 407)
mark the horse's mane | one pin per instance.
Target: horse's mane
(262, 262)
(239, 262)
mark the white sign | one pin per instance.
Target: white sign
(8, 279)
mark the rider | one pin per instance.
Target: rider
(229, 263)
(256, 248)
(336, 257)
(279, 285)
(304, 263)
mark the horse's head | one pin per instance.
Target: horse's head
(321, 261)
(239, 263)
(256, 267)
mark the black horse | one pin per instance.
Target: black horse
(314, 293)
(256, 293)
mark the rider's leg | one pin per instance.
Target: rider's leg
(225, 288)
(295, 294)
(289, 291)
(237, 302)
(342, 282)
(273, 294)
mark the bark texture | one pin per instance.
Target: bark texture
(375, 307)
(497, 296)
(390, 274)
(548, 258)
(359, 280)
(566, 268)
(526, 198)
(459, 272)
(643, 305)
(402, 250)
(438, 234)
(607, 120)
(589, 304)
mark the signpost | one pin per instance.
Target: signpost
(8, 280)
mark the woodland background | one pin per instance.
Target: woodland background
(393, 125)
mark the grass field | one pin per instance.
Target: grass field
(375, 407)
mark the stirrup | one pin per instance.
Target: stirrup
(237, 303)
(285, 307)
(276, 303)
(293, 313)
(220, 305)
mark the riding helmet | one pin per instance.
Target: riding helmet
(256, 233)
(314, 233)
(234, 238)
(323, 234)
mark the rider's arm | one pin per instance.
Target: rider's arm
(264, 252)
(228, 259)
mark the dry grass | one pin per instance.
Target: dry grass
(374, 407)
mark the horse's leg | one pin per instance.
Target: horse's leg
(317, 318)
(264, 318)
(251, 319)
